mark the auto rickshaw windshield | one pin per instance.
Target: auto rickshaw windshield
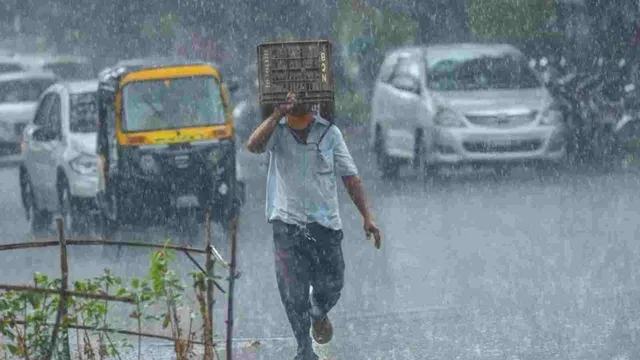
(172, 104)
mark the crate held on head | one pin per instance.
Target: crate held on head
(304, 67)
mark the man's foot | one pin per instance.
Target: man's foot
(306, 355)
(322, 330)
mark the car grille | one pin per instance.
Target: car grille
(19, 128)
(502, 122)
(514, 146)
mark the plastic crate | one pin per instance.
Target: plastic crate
(301, 66)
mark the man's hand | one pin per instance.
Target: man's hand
(282, 109)
(372, 231)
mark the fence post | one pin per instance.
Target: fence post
(208, 326)
(232, 278)
(62, 303)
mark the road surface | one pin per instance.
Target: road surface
(472, 267)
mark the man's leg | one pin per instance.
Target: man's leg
(292, 273)
(327, 280)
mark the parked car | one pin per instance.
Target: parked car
(10, 64)
(19, 93)
(462, 104)
(59, 171)
(67, 67)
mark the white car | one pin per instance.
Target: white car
(59, 171)
(19, 93)
(462, 104)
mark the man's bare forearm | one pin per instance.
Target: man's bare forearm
(259, 139)
(357, 194)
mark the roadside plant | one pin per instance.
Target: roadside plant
(157, 300)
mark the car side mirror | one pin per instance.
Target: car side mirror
(406, 84)
(43, 134)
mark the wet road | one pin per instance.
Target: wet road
(489, 267)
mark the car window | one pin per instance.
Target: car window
(83, 112)
(23, 90)
(505, 71)
(54, 121)
(10, 67)
(42, 113)
(386, 70)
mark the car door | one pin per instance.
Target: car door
(380, 99)
(34, 155)
(53, 150)
(405, 91)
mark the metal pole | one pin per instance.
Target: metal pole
(64, 269)
(209, 264)
(232, 277)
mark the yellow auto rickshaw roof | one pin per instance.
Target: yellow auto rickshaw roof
(170, 72)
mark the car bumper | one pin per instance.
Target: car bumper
(466, 145)
(452, 146)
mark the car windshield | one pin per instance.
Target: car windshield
(172, 104)
(71, 70)
(83, 112)
(481, 73)
(23, 90)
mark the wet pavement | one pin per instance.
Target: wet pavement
(519, 266)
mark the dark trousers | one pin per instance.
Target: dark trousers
(307, 256)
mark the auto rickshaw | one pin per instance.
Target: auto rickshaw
(165, 137)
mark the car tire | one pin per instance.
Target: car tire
(72, 218)
(39, 220)
(387, 165)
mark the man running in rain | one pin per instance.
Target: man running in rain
(306, 154)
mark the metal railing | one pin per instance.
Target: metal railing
(209, 251)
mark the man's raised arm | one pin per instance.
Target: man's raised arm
(260, 137)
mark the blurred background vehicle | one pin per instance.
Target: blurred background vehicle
(11, 64)
(67, 67)
(19, 93)
(462, 103)
(59, 172)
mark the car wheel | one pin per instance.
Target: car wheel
(39, 220)
(69, 211)
(389, 166)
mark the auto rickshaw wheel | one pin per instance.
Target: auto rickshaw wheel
(118, 213)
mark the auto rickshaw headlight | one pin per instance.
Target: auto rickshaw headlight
(215, 156)
(148, 164)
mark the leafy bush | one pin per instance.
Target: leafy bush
(26, 318)
(511, 19)
(354, 107)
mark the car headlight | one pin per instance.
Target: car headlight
(551, 116)
(449, 118)
(148, 164)
(84, 164)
